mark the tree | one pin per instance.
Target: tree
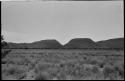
(3, 44)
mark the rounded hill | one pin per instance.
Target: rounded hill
(51, 43)
(112, 43)
(81, 43)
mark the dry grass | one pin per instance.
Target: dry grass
(36, 64)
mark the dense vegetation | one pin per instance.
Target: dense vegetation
(55, 64)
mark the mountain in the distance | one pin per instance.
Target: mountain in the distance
(16, 45)
(51, 43)
(112, 43)
(81, 43)
(76, 43)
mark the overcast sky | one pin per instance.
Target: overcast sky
(62, 20)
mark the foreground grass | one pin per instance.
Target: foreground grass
(63, 65)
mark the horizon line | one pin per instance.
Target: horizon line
(64, 43)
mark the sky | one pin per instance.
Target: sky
(61, 20)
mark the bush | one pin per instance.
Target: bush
(14, 70)
(42, 76)
(95, 69)
(120, 70)
(111, 73)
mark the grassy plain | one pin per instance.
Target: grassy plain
(63, 64)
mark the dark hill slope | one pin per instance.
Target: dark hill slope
(112, 43)
(39, 44)
(74, 43)
(81, 43)
(16, 45)
(45, 44)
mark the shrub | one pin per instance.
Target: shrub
(42, 76)
(43, 66)
(110, 73)
(95, 69)
(14, 70)
(120, 70)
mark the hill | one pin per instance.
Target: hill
(76, 43)
(112, 43)
(39, 44)
(81, 43)
(45, 44)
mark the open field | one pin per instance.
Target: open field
(63, 64)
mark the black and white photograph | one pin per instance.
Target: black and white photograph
(62, 39)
